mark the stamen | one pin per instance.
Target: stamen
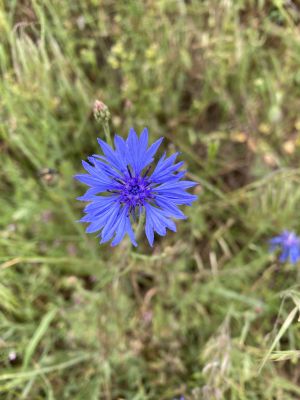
(147, 170)
(130, 173)
(133, 214)
(135, 190)
(119, 181)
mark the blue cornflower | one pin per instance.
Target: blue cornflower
(289, 244)
(127, 189)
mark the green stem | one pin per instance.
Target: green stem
(107, 133)
(139, 228)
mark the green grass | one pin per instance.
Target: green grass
(208, 313)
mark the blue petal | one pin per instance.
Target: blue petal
(165, 166)
(121, 150)
(98, 221)
(111, 155)
(132, 143)
(178, 197)
(144, 140)
(169, 186)
(130, 232)
(100, 203)
(148, 157)
(156, 220)
(99, 212)
(124, 226)
(294, 254)
(284, 255)
(276, 240)
(90, 169)
(102, 168)
(137, 154)
(111, 223)
(89, 194)
(149, 231)
(92, 181)
(170, 208)
(120, 230)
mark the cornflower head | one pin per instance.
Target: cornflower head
(124, 186)
(289, 244)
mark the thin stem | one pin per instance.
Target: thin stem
(139, 228)
(107, 133)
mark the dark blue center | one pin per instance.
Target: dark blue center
(135, 191)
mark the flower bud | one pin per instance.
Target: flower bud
(101, 111)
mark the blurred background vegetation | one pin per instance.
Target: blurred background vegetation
(201, 313)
